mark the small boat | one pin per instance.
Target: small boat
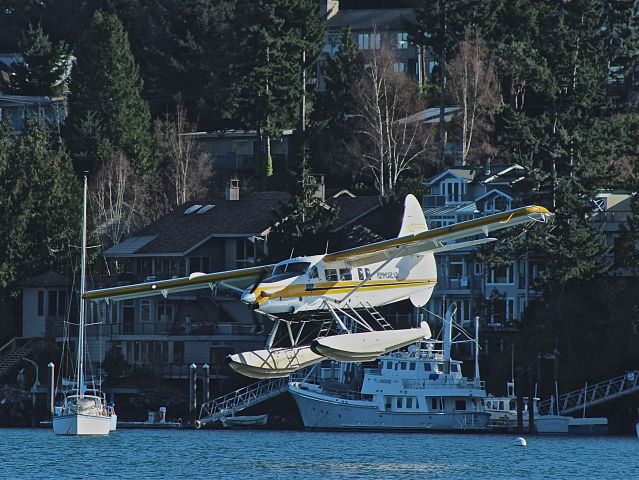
(503, 414)
(246, 421)
(84, 411)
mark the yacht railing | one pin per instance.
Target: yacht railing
(443, 382)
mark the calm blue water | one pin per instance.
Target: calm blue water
(220, 454)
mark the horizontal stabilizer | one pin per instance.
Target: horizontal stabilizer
(274, 363)
(367, 346)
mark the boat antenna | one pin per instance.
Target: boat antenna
(292, 250)
(326, 251)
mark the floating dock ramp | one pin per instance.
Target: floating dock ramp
(591, 395)
(245, 397)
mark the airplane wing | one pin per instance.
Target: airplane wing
(234, 279)
(435, 240)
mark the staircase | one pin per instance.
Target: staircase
(245, 397)
(13, 352)
(591, 395)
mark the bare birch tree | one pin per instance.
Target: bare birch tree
(390, 141)
(118, 198)
(188, 170)
(474, 86)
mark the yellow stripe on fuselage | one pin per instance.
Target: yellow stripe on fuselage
(332, 288)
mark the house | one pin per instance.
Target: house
(373, 29)
(17, 109)
(167, 334)
(233, 153)
(499, 296)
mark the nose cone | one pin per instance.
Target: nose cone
(248, 297)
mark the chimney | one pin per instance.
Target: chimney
(320, 187)
(233, 189)
(329, 8)
(487, 167)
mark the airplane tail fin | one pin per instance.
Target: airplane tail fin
(413, 221)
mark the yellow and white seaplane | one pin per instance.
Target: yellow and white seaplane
(340, 285)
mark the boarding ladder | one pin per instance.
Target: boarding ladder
(592, 395)
(378, 317)
(245, 397)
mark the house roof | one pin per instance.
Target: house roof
(492, 192)
(466, 174)
(452, 209)
(48, 279)
(178, 232)
(369, 19)
(430, 115)
(351, 209)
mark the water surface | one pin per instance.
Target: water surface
(222, 454)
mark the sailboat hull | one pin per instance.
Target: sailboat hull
(78, 424)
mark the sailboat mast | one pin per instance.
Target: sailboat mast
(82, 290)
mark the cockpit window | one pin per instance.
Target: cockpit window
(313, 273)
(287, 270)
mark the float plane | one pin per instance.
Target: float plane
(340, 285)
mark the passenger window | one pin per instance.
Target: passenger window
(313, 273)
(412, 365)
(409, 402)
(433, 404)
(454, 368)
(427, 367)
(460, 404)
(403, 365)
(389, 365)
(399, 402)
(367, 272)
(345, 274)
(331, 275)
(360, 273)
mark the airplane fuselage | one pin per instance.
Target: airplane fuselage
(306, 284)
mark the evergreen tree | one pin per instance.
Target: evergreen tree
(106, 112)
(306, 220)
(40, 205)
(276, 40)
(45, 69)
(332, 121)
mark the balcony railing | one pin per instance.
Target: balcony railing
(167, 328)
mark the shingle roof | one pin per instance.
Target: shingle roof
(351, 209)
(48, 279)
(176, 233)
(380, 19)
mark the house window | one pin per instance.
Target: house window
(502, 275)
(402, 40)
(165, 311)
(53, 303)
(500, 204)
(145, 310)
(40, 303)
(502, 310)
(368, 41)
(399, 67)
(62, 303)
(456, 268)
(199, 264)
(479, 268)
(178, 352)
(453, 190)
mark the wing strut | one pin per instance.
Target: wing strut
(398, 253)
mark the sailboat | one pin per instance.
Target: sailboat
(84, 411)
